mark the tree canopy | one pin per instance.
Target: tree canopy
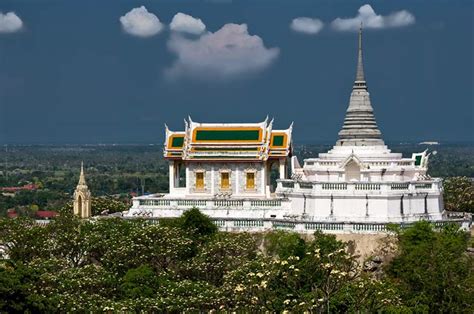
(182, 265)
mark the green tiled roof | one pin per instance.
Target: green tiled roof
(277, 140)
(177, 142)
(227, 135)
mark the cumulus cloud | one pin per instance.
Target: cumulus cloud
(187, 24)
(228, 53)
(370, 19)
(10, 22)
(140, 22)
(307, 25)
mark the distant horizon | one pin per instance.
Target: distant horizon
(297, 143)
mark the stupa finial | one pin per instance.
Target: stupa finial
(360, 66)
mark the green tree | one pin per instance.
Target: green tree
(16, 282)
(284, 244)
(139, 282)
(223, 253)
(23, 239)
(198, 223)
(459, 194)
(432, 269)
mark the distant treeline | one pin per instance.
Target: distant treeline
(137, 169)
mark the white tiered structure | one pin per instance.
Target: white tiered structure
(357, 186)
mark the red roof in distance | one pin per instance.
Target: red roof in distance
(46, 214)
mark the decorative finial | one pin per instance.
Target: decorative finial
(360, 66)
(82, 178)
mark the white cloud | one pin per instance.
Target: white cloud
(140, 22)
(228, 53)
(306, 25)
(10, 22)
(187, 24)
(370, 19)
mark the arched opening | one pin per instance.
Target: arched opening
(352, 171)
(79, 205)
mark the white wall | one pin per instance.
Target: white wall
(237, 178)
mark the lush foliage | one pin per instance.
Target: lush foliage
(102, 205)
(181, 265)
(459, 194)
(433, 271)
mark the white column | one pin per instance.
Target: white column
(282, 164)
(237, 185)
(266, 179)
(213, 182)
(171, 175)
(188, 179)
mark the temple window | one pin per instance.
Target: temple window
(200, 180)
(225, 180)
(250, 180)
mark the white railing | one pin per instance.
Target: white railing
(423, 185)
(302, 226)
(334, 186)
(248, 223)
(265, 203)
(324, 226)
(289, 186)
(156, 202)
(367, 186)
(399, 186)
(191, 203)
(148, 203)
(229, 203)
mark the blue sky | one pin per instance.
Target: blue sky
(75, 72)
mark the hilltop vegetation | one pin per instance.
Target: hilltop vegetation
(184, 264)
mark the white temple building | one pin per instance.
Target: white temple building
(357, 186)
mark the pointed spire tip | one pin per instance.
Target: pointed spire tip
(360, 77)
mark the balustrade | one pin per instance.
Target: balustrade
(248, 223)
(324, 226)
(334, 186)
(265, 203)
(228, 203)
(423, 185)
(191, 202)
(159, 202)
(369, 227)
(367, 186)
(284, 225)
(306, 185)
(399, 186)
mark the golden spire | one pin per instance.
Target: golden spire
(82, 178)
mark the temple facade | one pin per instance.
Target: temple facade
(357, 186)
